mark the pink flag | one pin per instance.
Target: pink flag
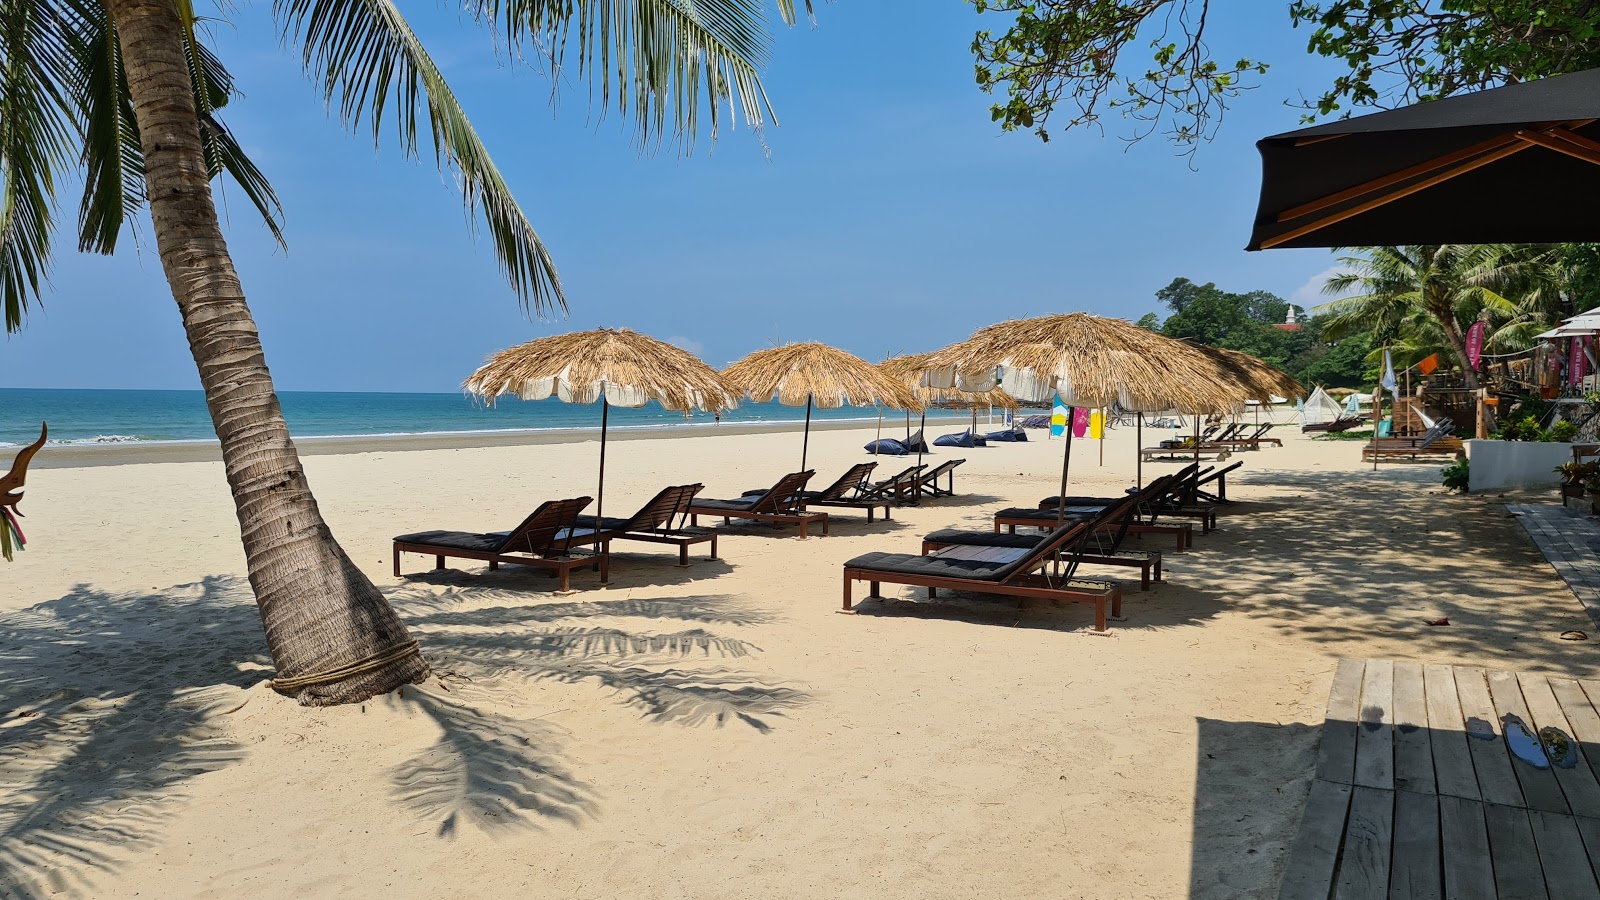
(1080, 421)
(1577, 362)
(1475, 343)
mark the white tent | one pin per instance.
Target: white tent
(1320, 409)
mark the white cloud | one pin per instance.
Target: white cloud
(1310, 293)
(689, 344)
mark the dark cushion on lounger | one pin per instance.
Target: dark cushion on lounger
(1048, 515)
(455, 540)
(887, 447)
(907, 564)
(983, 538)
(964, 439)
(1051, 502)
(731, 505)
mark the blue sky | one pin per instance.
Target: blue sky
(891, 215)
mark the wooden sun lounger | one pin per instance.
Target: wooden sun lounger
(990, 570)
(1436, 441)
(782, 504)
(1115, 520)
(853, 490)
(1340, 424)
(1009, 519)
(901, 487)
(1178, 496)
(928, 482)
(661, 521)
(1248, 441)
(546, 539)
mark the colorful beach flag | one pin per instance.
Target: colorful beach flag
(1429, 363)
(1058, 418)
(1475, 343)
(1389, 382)
(1080, 421)
(1097, 425)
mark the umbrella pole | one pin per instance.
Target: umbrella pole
(879, 436)
(805, 445)
(922, 427)
(1066, 461)
(1197, 437)
(1138, 450)
(1102, 438)
(600, 494)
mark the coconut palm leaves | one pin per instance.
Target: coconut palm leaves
(62, 84)
(1422, 299)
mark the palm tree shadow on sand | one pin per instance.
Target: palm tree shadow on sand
(111, 702)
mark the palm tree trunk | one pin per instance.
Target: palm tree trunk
(333, 637)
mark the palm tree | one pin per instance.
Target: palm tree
(135, 84)
(1422, 299)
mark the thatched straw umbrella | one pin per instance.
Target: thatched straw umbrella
(1090, 361)
(618, 367)
(816, 374)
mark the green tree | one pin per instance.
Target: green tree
(1422, 299)
(1069, 54)
(133, 83)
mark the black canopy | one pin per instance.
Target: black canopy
(1518, 163)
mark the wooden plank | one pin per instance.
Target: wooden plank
(1336, 758)
(1567, 874)
(1581, 716)
(1375, 740)
(1447, 735)
(1539, 786)
(1309, 872)
(1416, 871)
(1413, 752)
(1497, 781)
(1517, 875)
(1589, 831)
(1468, 872)
(1562, 746)
(1368, 846)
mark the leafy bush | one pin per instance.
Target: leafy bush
(1576, 472)
(1455, 475)
(1525, 428)
(1563, 431)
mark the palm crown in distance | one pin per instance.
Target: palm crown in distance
(133, 81)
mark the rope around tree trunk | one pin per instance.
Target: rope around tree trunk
(361, 667)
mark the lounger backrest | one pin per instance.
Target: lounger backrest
(659, 514)
(1440, 429)
(1069, 538)
(538, 533)
(850, 482)
(1214, 476)
(1119, 514)
(940, 469)
(785, 495)
(904, 477)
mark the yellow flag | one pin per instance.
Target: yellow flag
(1097, 425)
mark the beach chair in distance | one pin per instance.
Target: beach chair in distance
(1176, 497)
(1001, 571)
(546, 539)
(1098, 549)
(663, 520)
(1436, 441)
(853, 490)
(1218, 478)
(1009, 519)
(1252, 441)
(782, 504)
(901, 487)
(928, 482)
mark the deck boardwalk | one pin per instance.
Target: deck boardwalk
(1438, 781)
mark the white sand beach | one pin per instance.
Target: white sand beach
(720, 731)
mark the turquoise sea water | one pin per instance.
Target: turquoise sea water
(84, 417)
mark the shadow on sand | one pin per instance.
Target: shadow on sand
(111, 702)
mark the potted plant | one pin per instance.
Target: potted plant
(1592, 485)
(1574, 474)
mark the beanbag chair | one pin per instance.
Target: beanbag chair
(887, 447)
(963, 439)
(1008, 436)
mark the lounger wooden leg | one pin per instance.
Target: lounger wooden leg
(1144, 577)
(493, 565)
(397, 562)
(714, 548)
(874, 592)
(1116, 603)
(566, 579)
(438, 562)
(825, 526)
(847, 605)
(605, 563)
(803, 523)
(1100, 614)
(932, 593)
(683, 556)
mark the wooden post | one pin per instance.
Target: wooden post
(1138, 450)
(1377, 414)
(805, 444)
(1482, 431)
(1066, 462)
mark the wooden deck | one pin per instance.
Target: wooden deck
(1441, 781)
(1570, 540)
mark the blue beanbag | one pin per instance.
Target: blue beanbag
(964, 439)
(1007, 435)
(887, 447)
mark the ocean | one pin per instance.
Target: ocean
(114, 417)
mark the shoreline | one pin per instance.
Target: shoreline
(73, 456)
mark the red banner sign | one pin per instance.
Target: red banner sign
(1578, 362)
(1475, 343)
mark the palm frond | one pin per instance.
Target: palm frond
(36, 135)
(366, 56)
(653, 58)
